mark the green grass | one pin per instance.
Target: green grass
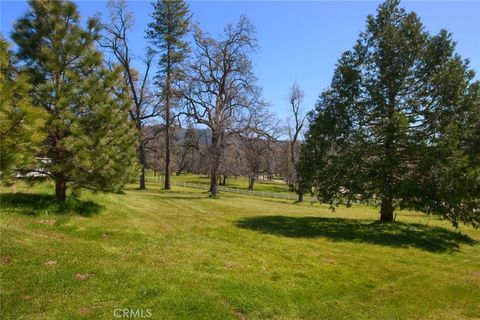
(187, 256)
(240, 182)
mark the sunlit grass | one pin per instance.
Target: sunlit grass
(187, 256)
(274, 185)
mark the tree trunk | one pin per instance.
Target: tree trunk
(183, 164)
(386, 210)
(141, 153)
(300, 196)
(224, 180)
(214, 180)
(142, 179)
(216, 153)
(167, 121)
(251, 182)
(167, 146)
(60, 189)
(389, 164)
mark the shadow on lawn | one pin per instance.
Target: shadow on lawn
(33, 204)
(396, 234)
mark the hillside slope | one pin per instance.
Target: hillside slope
(186, 256)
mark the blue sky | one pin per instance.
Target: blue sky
(299, 40)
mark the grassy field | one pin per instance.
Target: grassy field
(239, 182)
(187, 256)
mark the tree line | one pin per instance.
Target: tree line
(249, 155)
(399, 122)
(83, 109)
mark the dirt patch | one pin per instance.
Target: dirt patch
(5, 260)
(231, 266)
(328, 260)
(240, 315)
(84, 311)
(81, 277)
(50, 263)
(48, 222)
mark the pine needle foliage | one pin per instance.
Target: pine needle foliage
(90, 138)
(400, 122)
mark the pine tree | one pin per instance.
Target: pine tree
(21, 123)
(90, 139)
(167, 32)
(398, 123)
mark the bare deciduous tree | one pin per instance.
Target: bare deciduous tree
(258, 139)
(233, 164)
(222, 90)
(189, 147)
(295, 97)
(115, 42)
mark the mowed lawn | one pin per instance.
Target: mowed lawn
(187, 256)
(275, 186)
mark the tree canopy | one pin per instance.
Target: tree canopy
(222, 92)
(90, 140)
(21, 122)
(168, 32)
(400, 122)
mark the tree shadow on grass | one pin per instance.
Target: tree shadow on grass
(34, 204)
(433, 239)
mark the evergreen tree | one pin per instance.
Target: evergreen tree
(90, 139)
(21, 123)
(167, 32)
(399, 122)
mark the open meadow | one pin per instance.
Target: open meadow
(268, 185)
(282, 109)
(185, 255)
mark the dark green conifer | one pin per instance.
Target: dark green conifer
(21, 123)
(400, 122)
(90, 139)
(167, 32)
